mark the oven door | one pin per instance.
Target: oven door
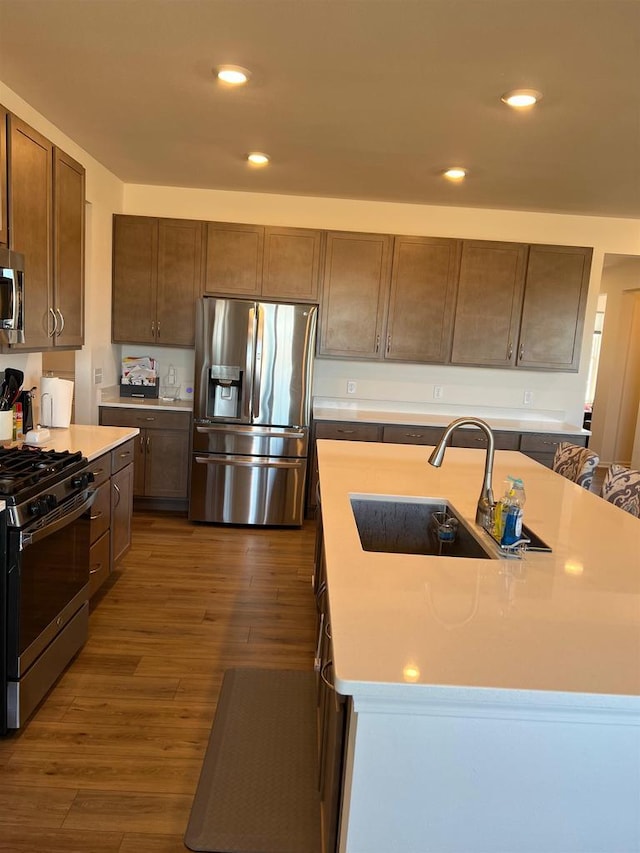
(47, 601)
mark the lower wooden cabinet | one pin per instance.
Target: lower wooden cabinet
(110, 514)
(542, 446)
(121, 512)
(161, 450)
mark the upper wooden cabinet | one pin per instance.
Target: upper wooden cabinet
(354, 294)
(521, 306)
(554, 305)
(30, 228)
(4, 213)
(291, 265)
(68, 250)
(487, 316)
(157, 277)
(390, 298)
(256, 261)
(424, 277)
(46, 191)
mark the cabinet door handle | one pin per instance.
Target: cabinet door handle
(317, 662)
(96, 516)
(158, 329)
(388, 344)
(377, 343)
(61, 315)
(141, 442)
(323, 676)
(510, 353)
(148, 444)
(55, 323)
(521, 352)
(96, 570)
(118, 495)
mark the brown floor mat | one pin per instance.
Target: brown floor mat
(258, 786)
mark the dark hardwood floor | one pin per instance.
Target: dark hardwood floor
(110, 761)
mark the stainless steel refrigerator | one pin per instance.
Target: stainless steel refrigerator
(252, 408)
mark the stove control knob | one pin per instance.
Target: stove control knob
(82, 480)
(42, 505)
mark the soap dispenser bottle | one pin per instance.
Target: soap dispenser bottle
(512, 517)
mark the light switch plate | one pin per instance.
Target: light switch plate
(352, 386)
(438, 392)
(527, 398)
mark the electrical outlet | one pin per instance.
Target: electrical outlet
(438, 392)
(527, 398)
(352, 386)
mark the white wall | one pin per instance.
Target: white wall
(498, 392)
(616, 421)
(104, 193)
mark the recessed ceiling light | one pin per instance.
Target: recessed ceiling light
(521, 97)
(257, 158)
(234, 75)
(455, 173)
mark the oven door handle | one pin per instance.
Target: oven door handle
(27, 539)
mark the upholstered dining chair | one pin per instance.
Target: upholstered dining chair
(577, 464)
(621, 487)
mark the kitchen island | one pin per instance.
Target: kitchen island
(494, 703)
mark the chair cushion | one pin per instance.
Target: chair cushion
(621, 487)
(577, 464)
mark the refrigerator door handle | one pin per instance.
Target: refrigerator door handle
(250, 461)
(255, 408)
(247, 395)
(251, 432)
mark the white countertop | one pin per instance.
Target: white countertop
(355, 414)
(92, 441)
(111, 397)
(568, 621)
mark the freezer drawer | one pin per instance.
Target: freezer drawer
(250, 440)
(261, 490)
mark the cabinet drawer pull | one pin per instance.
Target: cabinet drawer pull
(346, 431)
(98, 472)
(97, 569)
(124, 454)
(96, 516)
(414, 435)
(317, 661)
(323, 676)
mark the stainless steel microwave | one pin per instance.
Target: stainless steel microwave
(11, 297)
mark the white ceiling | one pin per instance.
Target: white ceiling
(365, 99)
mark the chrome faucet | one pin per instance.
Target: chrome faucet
(486, 502)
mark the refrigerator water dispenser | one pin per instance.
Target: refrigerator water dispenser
(225, 395)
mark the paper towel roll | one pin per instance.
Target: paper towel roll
(56, 400)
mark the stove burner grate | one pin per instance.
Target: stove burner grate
(24, 467)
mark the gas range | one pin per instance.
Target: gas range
(34, 482)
